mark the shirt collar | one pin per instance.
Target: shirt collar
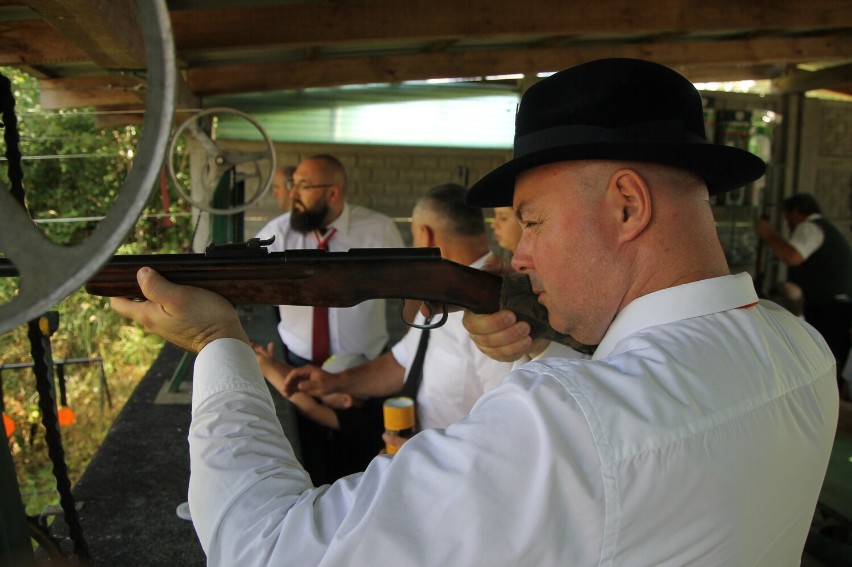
(677, 303)
(341, 223)
(478, 264)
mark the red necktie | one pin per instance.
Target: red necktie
(320, 338)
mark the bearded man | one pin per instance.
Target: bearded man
(320, 217)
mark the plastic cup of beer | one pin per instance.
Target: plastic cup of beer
(399, 419)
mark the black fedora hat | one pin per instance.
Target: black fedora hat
(615, 109)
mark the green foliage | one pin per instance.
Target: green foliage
(80, 171)
(87, 328)
(62, 186)
(79, 158)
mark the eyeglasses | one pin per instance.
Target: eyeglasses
(291, 186)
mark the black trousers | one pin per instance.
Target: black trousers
(834, 322)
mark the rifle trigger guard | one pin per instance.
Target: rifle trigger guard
(428, 324)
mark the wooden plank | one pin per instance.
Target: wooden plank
(108, 31)
(119, 116)
(725, 73)
(838, 77)
(107, 90)
(334, 23)
(34, 42)
(356, 70)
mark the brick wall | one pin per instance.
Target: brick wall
(383, 178)
(825, 165)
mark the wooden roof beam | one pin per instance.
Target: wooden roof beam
(108, 31)
(332, 23)
(832, 78)
(33, 43)
(106, 90)
(391, 69)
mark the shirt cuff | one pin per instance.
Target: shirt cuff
(225, 365)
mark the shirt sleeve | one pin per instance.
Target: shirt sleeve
(393, 239)
(490, 373)
(405, 349)
(229, 395)
(252, 504)
(807, 238)
(264, 232)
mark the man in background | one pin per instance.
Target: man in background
(819, 259)
(320, 218)
(507, 231)
(282, 178)
(452, 374)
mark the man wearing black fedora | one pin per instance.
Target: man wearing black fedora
(697, 434)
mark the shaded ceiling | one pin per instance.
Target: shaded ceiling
(91, 52)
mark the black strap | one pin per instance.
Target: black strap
(415, 374)
(43, 370)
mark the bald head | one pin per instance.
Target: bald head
(329, 168)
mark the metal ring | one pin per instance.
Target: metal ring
(49, 272)
(265, 186)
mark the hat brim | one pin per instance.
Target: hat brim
(723, 168)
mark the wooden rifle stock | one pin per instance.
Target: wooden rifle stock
(311, 277)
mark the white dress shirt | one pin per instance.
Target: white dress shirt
(455, 372)
(698, 434)
(359, 329)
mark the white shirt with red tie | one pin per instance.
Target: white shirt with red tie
(360, 329)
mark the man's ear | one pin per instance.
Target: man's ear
(631, 197)
(428, 235)
(335, 194)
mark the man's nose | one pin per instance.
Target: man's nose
(521, 260)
